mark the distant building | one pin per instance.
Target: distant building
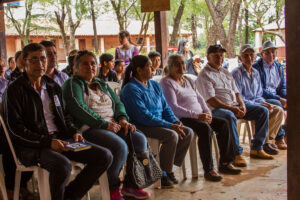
(107, 31)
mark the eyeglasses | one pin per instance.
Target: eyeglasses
(36, 60)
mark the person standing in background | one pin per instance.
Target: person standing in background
(127, 50)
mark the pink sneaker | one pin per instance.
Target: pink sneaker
(115, 195)
(135, 193)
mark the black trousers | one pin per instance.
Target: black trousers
(204, 132)
(97, 159)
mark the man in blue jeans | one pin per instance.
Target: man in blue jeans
(39, 126)
(218, 88)
(248, 81)
(273, 83)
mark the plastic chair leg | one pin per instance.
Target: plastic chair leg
(43, 184)
(17, 184)
(193, 157)
(2, 187)
(216, 148)
(104, 187)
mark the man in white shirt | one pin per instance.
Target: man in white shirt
(218, 88)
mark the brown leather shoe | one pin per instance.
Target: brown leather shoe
(239, 161)
(260, 154)
(281, 144)
(270, 148)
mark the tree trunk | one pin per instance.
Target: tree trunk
(71, 25)
(246, 22)
(174, 38)
(232, 29)
(96, 44)
(60, 20)
(194, 31)
(240, 29)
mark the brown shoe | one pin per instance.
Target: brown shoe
(261, 154)
(239, 161)
(281, 144)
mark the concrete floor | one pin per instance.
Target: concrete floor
(260, 180)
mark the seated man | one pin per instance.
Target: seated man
(38, 125)
(155, 58)
(248, 82)
(273, 83)
(218, 88)
(51, 70)
(107, 64)
(20, 67)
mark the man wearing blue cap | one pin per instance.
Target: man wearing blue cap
(273, 83)
(218, 88)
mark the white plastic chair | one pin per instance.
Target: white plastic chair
(157, 78)
(247, 129)
(43, 176)
(2, 187)
(116, 87)
(155, 146)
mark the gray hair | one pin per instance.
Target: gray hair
(171, 62)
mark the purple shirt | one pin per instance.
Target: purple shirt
(60, 77)
(3, 85)
(185, 101)
(126, 55)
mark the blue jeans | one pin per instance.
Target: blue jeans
(281, 132)
(116, 144)
(254, 112)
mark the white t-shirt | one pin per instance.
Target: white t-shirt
(48, 108)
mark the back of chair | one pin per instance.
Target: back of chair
(116, 87)
(9, 141)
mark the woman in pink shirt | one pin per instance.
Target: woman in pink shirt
(127, 50)
(189, 106)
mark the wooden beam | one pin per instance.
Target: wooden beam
(293, 85)
(2, 33)
(161, 34)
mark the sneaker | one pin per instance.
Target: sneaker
(172, 177)
(261, 154)
(229, 169)
(135, 193)
(166, 182)
(240, 161)
(115, 195)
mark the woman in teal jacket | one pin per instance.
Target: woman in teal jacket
(101, 116)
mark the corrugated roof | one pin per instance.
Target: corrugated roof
(104, 27)
(272, 26)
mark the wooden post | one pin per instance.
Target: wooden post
(293, 85)
(3, 53)
(161, 34)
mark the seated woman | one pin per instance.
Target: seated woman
(149, 111)
(102, 118)
(189, 106)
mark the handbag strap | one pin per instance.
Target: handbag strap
(130, 143)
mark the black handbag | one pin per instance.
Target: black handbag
(142, 169)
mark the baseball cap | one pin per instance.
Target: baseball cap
(268, 45)
(215, 48)
(245, 47)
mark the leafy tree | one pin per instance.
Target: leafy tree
(26, 25)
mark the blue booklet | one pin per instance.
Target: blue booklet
(77, 146)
